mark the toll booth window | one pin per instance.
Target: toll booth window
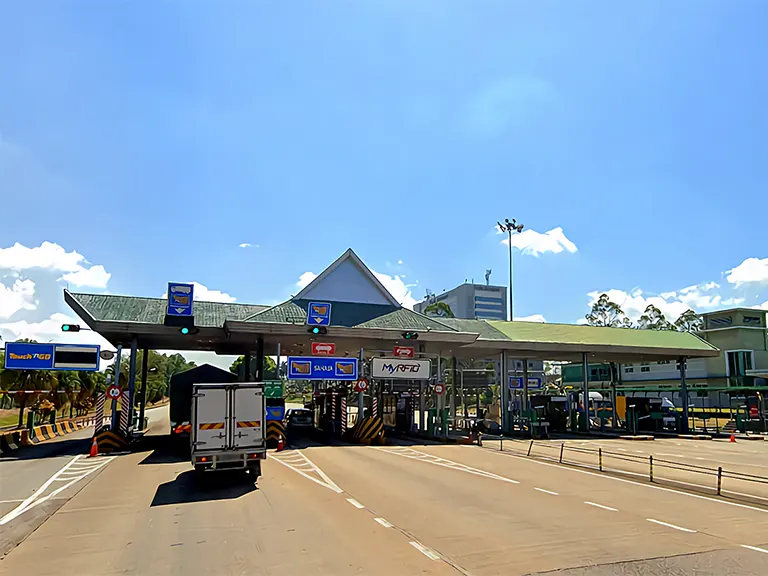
(629, 370)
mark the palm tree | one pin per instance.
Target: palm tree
(25, 380)
(440, 309)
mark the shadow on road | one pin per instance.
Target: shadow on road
(59, 447)
(193, 487)
(162, 450)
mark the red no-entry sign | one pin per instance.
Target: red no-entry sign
(361, 385)
(439, 388)
(403, 351)
(113, 392)
(323, 348)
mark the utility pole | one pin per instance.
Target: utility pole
(510, 227)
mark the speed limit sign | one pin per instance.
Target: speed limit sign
(113, 392)
(439, 388)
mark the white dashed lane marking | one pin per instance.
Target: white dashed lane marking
(547, 491)
(355, 503)
(601, 506)
(383, 522)
(670, 525)
(755, 548)
(428, 552)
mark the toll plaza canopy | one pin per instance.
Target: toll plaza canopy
(364, 315)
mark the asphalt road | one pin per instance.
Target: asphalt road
(404, 509)
(36, 480)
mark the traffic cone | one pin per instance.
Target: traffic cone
(280, 443)
(733, 438)
(94, 449)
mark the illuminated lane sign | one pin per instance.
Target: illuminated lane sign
(319, 368)
(34, 356)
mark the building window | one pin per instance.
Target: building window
(677, 366)
(645, 368)
(663, 362)
(752, 320)
(721, 322)
(629, 370)
(739, 361)
(489, 300)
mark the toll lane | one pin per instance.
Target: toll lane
(145, 514)
(720, 522)
(487, 523)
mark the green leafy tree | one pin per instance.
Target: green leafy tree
(653, 319)
(27, 380)
(270, 367)
(607, 313)
(689, 321)
(439, 309)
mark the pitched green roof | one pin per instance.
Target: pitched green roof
(109, 307)
(599, 336)
(405, 319)
(486, 331)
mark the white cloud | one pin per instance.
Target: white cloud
(305, 279)
(205, 294)
(95, 276)
(532, 318)
(399, 289)
(535, 243)
(750, 271)
(247, 245)
(763, 306)
(400, 262)
(50, 256)
(19, 296)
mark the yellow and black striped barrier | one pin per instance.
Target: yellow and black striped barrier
(275, 430)
(109, 441)
(369, 430)
(10, 441)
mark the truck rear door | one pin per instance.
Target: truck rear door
(210, 425)
(248, 425)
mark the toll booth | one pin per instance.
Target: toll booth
(329, 402)
(645, 415)
(554, 409)
(399, 400)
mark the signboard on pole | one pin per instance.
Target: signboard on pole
(401, 369)
(180, 298)
(273, 389)
(36, 356)
(439, 388)
(319, 314)
(361, 385)
(275, 413)
(517, 383)
(113, 392)
(403, 351)
(328, 368)
(323, 349)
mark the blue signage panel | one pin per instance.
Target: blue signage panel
(35, 356)
(180, 297)
(321, 368)
(28, 356)
(319, 314)
(517, 383)
(275, 412)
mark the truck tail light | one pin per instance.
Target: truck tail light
(202, 459)
(256, 456)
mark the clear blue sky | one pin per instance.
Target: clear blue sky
(155, 137)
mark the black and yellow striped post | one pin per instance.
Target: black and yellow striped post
(275, 430)
(109, 441)
(369, 430)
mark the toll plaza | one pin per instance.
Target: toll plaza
(372, 363)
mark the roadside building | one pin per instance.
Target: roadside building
(472, 301)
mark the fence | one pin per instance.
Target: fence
(710, 479)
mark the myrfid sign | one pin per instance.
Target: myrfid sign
(406, 369)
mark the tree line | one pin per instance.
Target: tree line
(607, 313)
(45, 391)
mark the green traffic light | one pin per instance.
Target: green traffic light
(185, 330)
(65, 327)
(315, 330)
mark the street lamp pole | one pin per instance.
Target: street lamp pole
(510, 227)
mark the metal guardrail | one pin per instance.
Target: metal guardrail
(654, 464)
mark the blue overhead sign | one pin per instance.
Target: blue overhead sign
(321, 368)
(180, 298)
(319, 314)
(35, 356)
(517, 383)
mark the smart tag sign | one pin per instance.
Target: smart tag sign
(35, 356)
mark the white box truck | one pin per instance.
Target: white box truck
(228, 427)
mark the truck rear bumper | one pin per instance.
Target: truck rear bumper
(229, 460)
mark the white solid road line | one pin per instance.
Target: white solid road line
(383, 522)
(601, 506)
(325, 482)
(10, 501)
(670, 525)
(755, 548)
(428, 552)
(355, 503)
(547, 491)
(438, 461)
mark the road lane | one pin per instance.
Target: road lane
(145, 515)
(491, 526)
